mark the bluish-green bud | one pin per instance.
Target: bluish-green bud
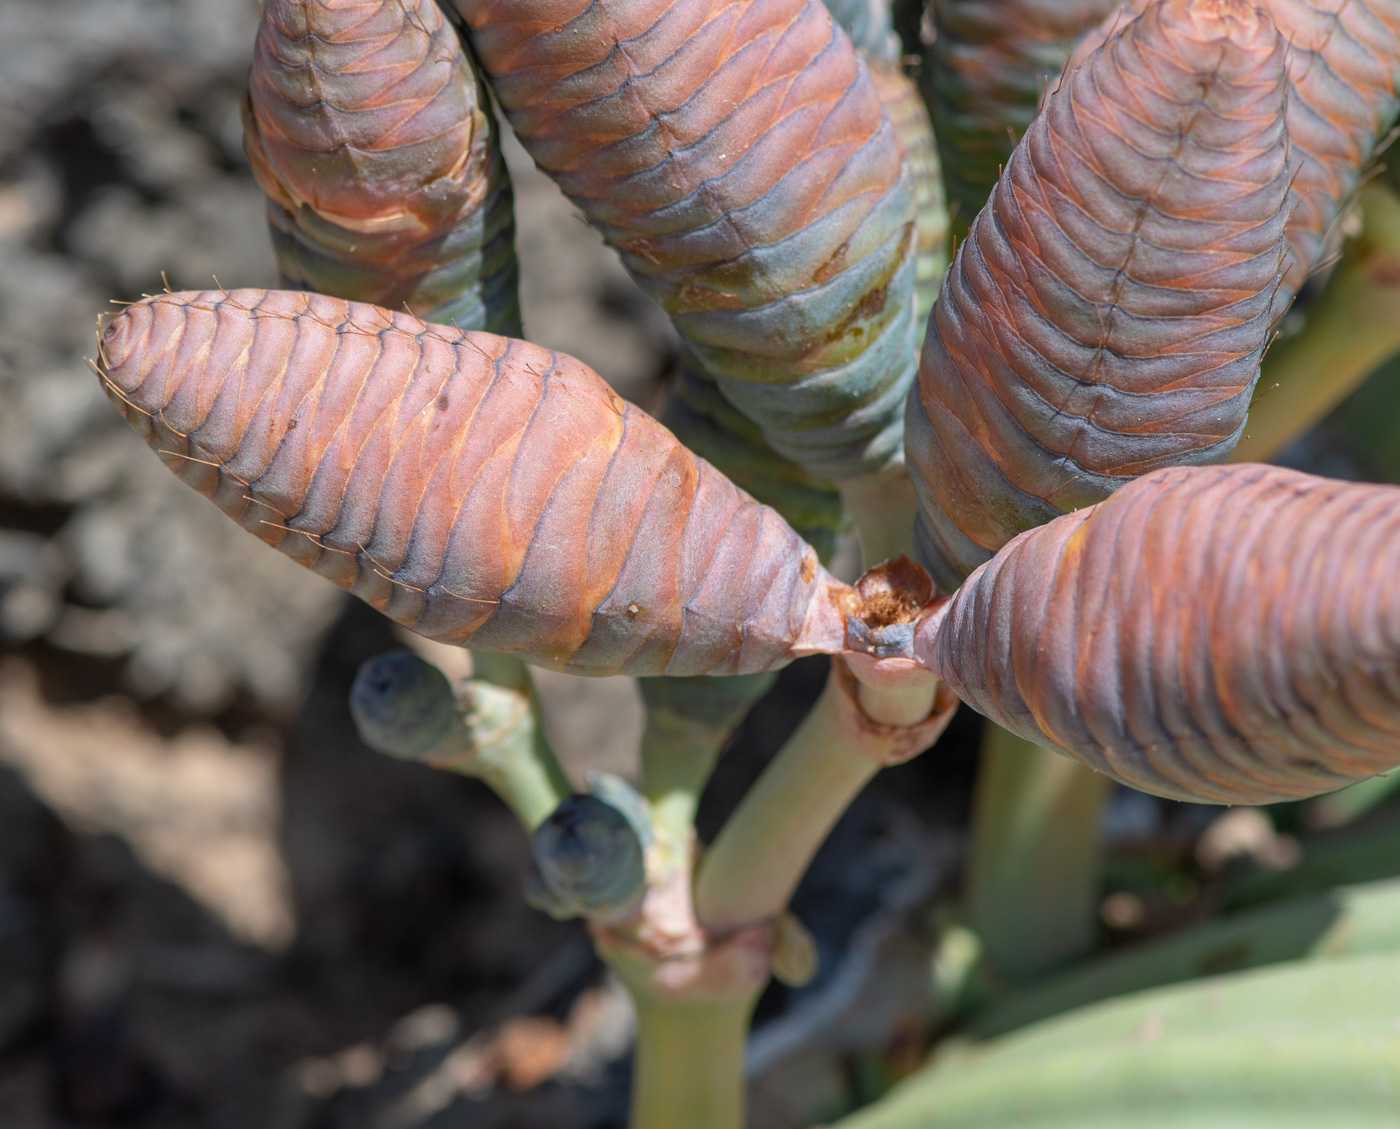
(590, 857)
(402, 705)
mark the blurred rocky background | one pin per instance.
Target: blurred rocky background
(217, 909)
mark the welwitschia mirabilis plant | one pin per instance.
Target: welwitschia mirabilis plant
(1221, 634)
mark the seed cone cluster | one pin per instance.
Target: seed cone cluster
(1109, 309)
(1229, 634)
(371, 135)
(1222, 634)
(737, 155)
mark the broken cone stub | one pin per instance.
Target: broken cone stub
(589, 859)
(402, 705)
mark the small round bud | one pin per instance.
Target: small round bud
(589, 854)
(402, 705)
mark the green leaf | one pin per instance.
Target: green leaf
(1303, 1046)
(1348, 921)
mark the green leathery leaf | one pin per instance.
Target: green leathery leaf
(1303, 1046)
(1364, 852)
(1343, 922)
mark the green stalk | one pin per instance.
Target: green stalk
(882, 508)
(752, 868)
(487, 726)
(1352, 328)
(503, 744)
(688, 722)
(689, 1067)
(1033, 871)
(755, 863)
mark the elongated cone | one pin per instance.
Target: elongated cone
(476, 489)
(1343, 98)
(1108, 311)
(984, 76)
(1220, 634)
(371, 135)
(737, 155)
(698, 412)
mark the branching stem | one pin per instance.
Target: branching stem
(501, 741)
(855, 728)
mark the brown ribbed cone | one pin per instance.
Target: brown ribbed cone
(1108, 311)
(475, 488)
(1343, 98)
(735, 152)
(1226, 634)
(368, 130)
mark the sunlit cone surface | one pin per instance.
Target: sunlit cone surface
(701, 418)
(1227, 634)
(738, 157)
(475, 488)
(1107, 313)
(909, 116)
(985, 74)
(1344, 94)
(697, 410)
(870, 24)
(371, 135)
